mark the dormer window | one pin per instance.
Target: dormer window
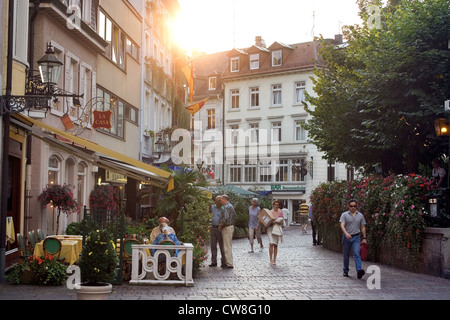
(234, 64)
(212, 83)
(254, 61)
(277, 58)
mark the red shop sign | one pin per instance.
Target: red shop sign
(102, 119)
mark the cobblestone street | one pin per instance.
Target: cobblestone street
(303, 271)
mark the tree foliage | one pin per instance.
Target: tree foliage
(378, 97)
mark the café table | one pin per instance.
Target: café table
(69, 251)
(79, 239)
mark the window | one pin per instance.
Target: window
(254, 61)
(234, 132)
(250, 171)
(265, 171)
(192, 122)
(132, 49)
(211, 119)
(297, 175)
(54, 169)
(235, 99)
(277, 58)
(234, 64)
(116, 37)
(212, 83)
(331, 174)
(276, 131)
(81, 183)
(299, 92)
(254, 133)
(72, 80)
(117, 106)
(86, 82)
(132, 114)
(235, 172)
(254, 97)
(300, 132)
(282, 174)
(21, 30)
(276, 95)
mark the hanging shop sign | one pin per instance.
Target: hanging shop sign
(102, 119)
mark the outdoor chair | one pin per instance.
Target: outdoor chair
(127, 257)
(24, 254)
(53, 247)
(32, 240)
(40, 235)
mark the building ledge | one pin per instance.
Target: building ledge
(58, 11)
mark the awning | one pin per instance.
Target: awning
(101, 156)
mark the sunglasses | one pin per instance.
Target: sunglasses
(352, 206)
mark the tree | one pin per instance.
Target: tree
(378, 97)
(186, 188)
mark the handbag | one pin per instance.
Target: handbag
(277, 230)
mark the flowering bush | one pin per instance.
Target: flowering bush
(393, 207)
(103, 197)
(200, 254)
(60, 196)
(43, 271)
(98, 260)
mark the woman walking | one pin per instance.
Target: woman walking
(253, 225)
(275, 231)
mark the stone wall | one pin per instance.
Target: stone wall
(434, 256)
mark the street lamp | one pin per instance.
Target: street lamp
(50, 68)
(159, 147)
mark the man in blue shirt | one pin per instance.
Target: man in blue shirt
(216, 234)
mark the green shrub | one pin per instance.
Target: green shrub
(98, 260)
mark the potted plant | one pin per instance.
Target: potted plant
(98, 266)
(61, 197)
(103, 197)
(43, 271)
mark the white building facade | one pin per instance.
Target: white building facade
(266, 146)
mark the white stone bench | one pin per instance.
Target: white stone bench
(144, 267)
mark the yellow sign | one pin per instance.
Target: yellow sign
(111, 176)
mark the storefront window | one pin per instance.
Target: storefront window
(81, 185)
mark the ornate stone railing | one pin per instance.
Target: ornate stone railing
(169, 270)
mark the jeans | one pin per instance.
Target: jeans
(216, 239)
(352, 244)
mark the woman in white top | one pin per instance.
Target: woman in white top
(275, 232)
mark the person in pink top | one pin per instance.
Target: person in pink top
(275, 231)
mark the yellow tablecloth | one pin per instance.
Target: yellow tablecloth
(10, 233)
(69, 251)
(79, 239)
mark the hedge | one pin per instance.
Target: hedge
(394, 208)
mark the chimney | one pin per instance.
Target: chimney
(259, 42)
(339, 38)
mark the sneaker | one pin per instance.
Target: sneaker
(213, 265)
(251, 251)
(345, 273)
(361, 273)
(261, 249)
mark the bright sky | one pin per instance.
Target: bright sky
(207, 25)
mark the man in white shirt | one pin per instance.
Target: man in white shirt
(285, 215)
